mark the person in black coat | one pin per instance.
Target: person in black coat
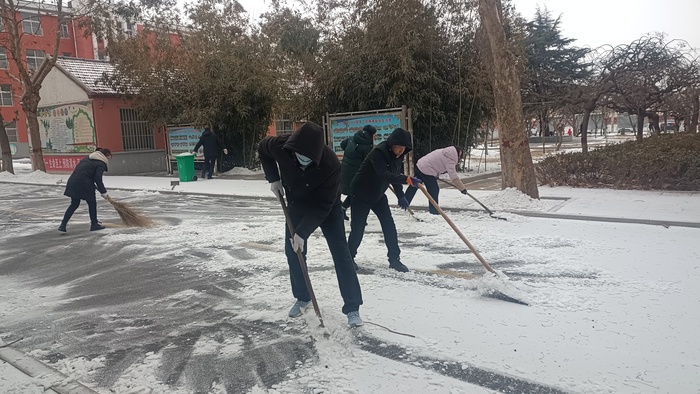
(301, 166)
(356, 149)
(383, 166)
(82, 183)
(212, 150)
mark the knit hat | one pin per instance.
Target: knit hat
(369, 129)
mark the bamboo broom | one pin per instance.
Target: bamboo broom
(129, 216)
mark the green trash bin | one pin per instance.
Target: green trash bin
(185, 167)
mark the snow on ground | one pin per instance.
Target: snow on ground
(611, 304)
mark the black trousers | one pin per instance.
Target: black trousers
(208, 167)
(358, 220)
(333, 228)
(75, 203)
(431, 184)
(347, 202)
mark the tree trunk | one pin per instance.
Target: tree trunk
(30, 103)
(5, 148)
(516, 161)
(694, 116)
(640, 124)
(584, 129)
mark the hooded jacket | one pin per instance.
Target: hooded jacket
(87, 176)
(441, 161)
(381, 168)
(211, 143)
(313, 190)
(356, 149)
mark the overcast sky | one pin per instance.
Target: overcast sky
(597, 22)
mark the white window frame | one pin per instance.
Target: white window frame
(4, 63)
(282, 122)
(65, 33)
(36, 59)
(11, 129)
(31, 24)
(6, 96)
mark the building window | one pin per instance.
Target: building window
(31, 24)
(66, 54)
(136, 132)
(11, 129)
(64, 30)
(284, 124)
(6, 96)
(3, 58)
(34, 58)
(129, 31)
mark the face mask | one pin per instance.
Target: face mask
(303, 160)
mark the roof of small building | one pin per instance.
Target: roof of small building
(88, 73)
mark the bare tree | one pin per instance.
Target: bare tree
(516, 161)
(31, 78)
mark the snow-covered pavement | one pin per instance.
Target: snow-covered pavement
(198, 304)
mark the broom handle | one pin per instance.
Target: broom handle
(408, 209)
(490, 212)
(447, 219)
(302, 261)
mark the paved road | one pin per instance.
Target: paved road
(134, 299)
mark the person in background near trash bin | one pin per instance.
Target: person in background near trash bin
(81, 185)
(429, 168)
(212, 150)
(380, 168)
(356, 149)
(301, 165)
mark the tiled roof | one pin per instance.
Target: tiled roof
(88, 72)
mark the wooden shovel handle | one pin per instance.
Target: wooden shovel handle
(447, 219)
(302, 261)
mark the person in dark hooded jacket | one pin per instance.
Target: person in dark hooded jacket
(212, 150)
(356, 148)
(382, 167)
(82, 183)
(301, 166)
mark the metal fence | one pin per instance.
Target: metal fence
(137, 134)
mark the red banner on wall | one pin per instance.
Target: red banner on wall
(61, 163)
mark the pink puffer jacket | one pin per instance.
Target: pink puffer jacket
(440, 161)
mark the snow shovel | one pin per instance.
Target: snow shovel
(490, 212)
(302, 261)
(495, 293)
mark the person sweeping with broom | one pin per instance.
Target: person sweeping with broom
(429, 168)
(82, 183)
(301, 166)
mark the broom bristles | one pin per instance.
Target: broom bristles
(129, 216)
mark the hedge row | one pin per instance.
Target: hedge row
(669, 161)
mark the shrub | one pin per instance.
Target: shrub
(669, 161)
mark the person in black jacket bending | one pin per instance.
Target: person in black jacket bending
(212, 150)
(304, 168)
(81, 185)
(380, 168)
(356, 149)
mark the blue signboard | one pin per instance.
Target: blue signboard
(182, 139)
(344, 127)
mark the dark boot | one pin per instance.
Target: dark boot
(62, 228)
(397, 265)
(96, 227)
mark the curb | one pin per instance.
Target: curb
(35, 368)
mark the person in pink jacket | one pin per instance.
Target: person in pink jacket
(429, 168)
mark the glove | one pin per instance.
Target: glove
(277, 188)
(104, 195)
(225, 151)
(403, 203)
(413, 181)
(297, 243)
(464, 191)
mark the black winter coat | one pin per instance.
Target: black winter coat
(86, 177)
(356, 149)
(212, 144)
(381, 168)
(314, 190)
